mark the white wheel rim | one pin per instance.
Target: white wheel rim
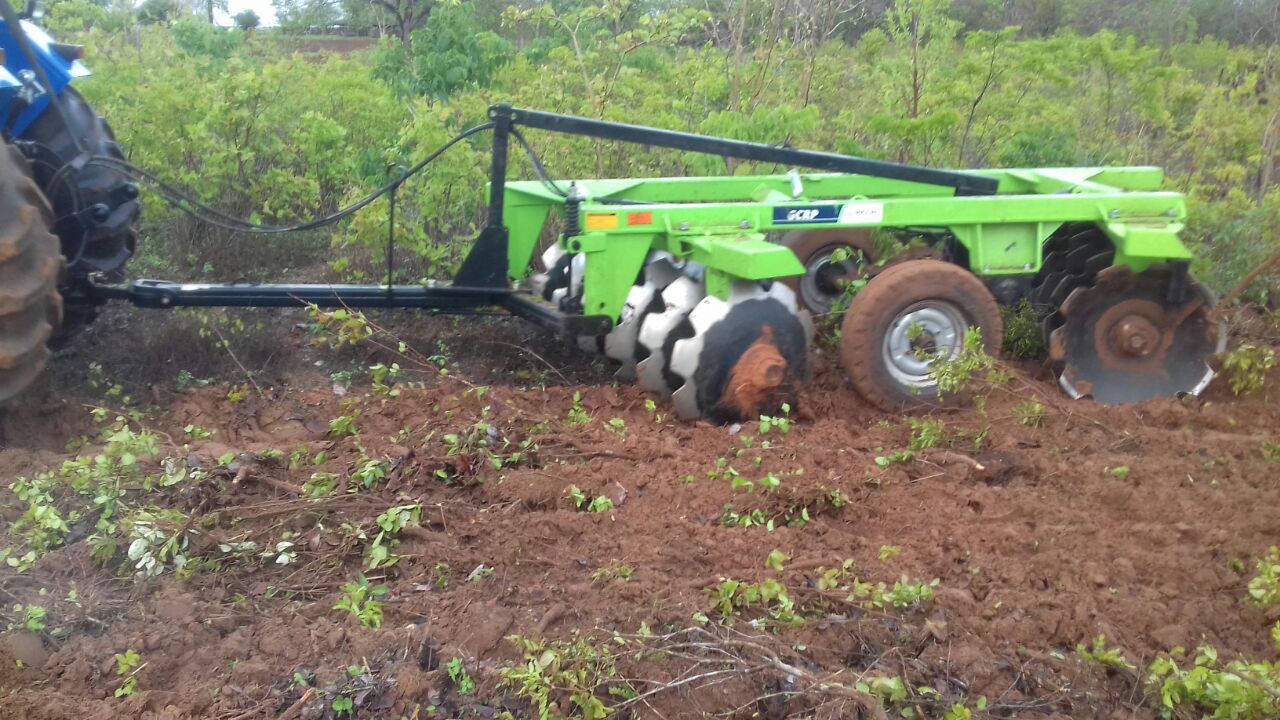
(935, 327)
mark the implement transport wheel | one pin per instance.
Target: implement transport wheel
(907, 315)
(823, 281)
(30, 305)
(743, 358)
(1126, 340)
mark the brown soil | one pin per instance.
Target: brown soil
(1036, 545)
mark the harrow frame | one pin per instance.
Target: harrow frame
(1000, 217)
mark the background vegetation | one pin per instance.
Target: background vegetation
(263, 123)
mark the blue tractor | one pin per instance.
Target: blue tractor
(64, 221)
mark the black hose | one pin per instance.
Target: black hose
(205, 213)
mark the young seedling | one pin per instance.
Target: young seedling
(128, 666)
(465, 685)
(358, 599)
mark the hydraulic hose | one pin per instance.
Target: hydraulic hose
(205, 213)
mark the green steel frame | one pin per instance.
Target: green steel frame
(721, 222)
(1001, 217)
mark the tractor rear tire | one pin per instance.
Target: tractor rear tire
(916, 305)
(30, 261)
(96, 206)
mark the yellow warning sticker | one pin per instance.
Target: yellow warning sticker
(602, 221)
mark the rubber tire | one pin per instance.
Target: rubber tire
(109, 244)
(30, 262)
(886, 295)
(806, 244)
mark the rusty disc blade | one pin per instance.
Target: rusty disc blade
(1123, 341)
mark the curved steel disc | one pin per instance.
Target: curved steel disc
(1122, 341)
(552, 255)
(556, 261)
(679, 298)
(620, 343)
(746, 356)
(687, 352)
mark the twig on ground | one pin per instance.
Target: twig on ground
(227, 346)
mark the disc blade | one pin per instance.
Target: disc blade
(1117, 344)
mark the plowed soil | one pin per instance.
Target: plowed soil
(1140, 523)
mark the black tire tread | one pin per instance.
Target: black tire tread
(30, 264)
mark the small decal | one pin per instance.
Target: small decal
(602, 221)
(802, 215)
(862, 213)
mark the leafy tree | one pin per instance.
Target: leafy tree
(247, 19)
(402, 17)
(304, 16)
(444, 56)
(157, 11)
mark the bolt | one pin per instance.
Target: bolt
(745, 224)
(683, 226)
(1113, 214)
(1026, 266)
(986, 268)
(1135, 336)
(1171, 212)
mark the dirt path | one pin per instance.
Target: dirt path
(1044, 529)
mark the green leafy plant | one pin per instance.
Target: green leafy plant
(771, 595)
(582, 501)
(776, 560)
(128, 665)
(460, 678)
(578, 415)
(197, 433)
(1264, 589)
(1271, 450)
(781, 423)
(581, 671)
(390, 522)
(370, 472)
(321, 484)
(1023, 331)
(968, 368)
(384, 378)
(1030, 413)
(1238, 689)
(613, 571)
(343, 705)
(901, 456)
(926, 433)
(1100, 654)
(342, 426)
(1246, 367)
(359, 599)
(1120, 472)
(33, 617)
